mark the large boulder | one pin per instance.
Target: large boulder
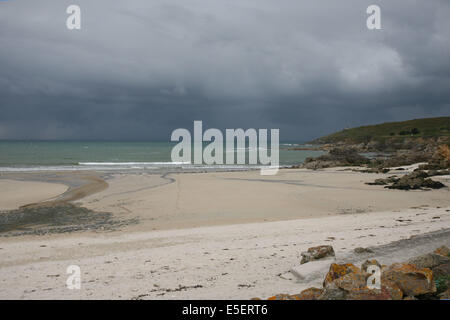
(442, 270)
(317, 253)
(429, 260)
(337, 271)
(368, 263)
(346, 281)
(392, 289)
(351, 281)
(368, 294)
(412, 280)
(424, 277)
(443, 251)
(333, 293)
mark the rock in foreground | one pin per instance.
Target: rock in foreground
(424, 277)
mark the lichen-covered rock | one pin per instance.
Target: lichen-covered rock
(368, 263)
(413, 281)
(337, 271)
(442, 270)
(309, 294)
(332, 292)
(353, 280)
(443, 251)
(392, 288)
(429, 260)
(316, 253)
(346, 281)
(423, 277)
(368, 294)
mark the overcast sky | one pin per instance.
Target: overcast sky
(139, 69)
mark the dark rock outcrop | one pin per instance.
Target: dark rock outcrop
(335, 158)
(413, 181)
(429, 260)
(361, 250)
(410, 182)
(383, 182)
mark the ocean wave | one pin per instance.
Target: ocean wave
(131, 163)
(127, 166)
(39, 168)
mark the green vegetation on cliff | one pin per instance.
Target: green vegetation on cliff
(392, 131)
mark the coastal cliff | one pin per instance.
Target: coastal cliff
(419, 134)
(393, 144)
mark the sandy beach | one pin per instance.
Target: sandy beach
(217, 235)
(155, 150)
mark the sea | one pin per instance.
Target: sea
(26, 156)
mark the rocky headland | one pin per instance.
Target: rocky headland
(385, 147)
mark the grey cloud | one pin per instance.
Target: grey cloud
(138, 70)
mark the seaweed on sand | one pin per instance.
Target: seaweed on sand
(58, 218)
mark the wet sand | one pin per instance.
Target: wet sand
(77, 185)
(204, 199)
(185, 200)
(14, 194)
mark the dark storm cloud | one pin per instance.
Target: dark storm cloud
(138, 70)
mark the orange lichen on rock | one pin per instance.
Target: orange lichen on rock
(410, 279)
(392, 288)
(339, 270)
(368, 294)
(282, 296)
(443, 251)
(309, 294)
(353, 280)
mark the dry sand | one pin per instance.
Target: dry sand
(233, 261)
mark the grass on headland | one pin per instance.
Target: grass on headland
(418, 128)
